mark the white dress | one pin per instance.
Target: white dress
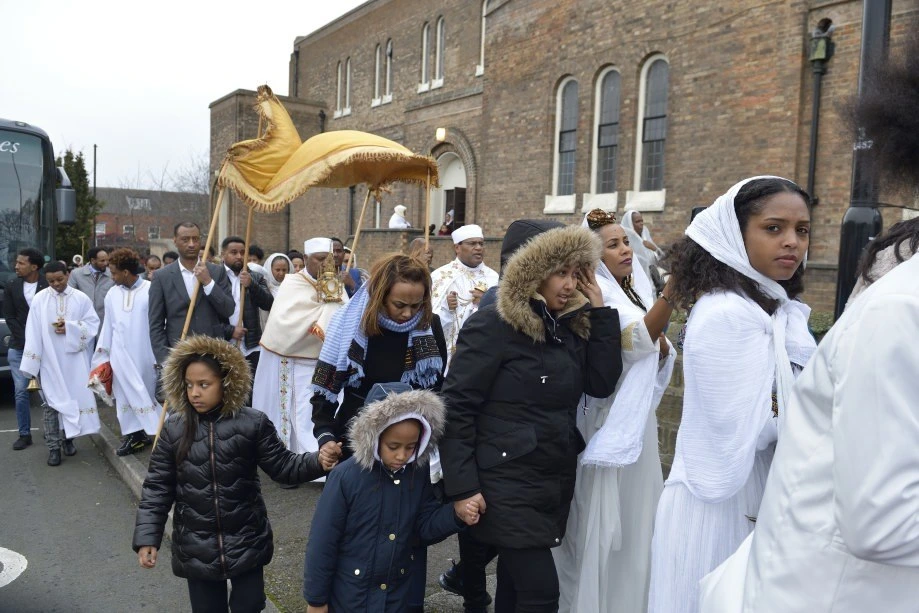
(724, 447)
(838, 530)
(604, 561)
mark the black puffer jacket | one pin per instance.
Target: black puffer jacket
(220, 524)
(513, 391)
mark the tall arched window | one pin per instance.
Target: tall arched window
(387, 92)
(652, 124)
(425, 52)
(377, 69)
(439, 54)
(566, 120)
(337, 112)
(480, 69)
(347, 109)
(606, 131)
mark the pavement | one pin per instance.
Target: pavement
(290, 512)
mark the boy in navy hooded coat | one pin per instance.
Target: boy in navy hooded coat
(377, 505)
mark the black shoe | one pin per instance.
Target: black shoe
(22, 442)
(130, 444)
(54, 457)
(69, 448)
(451, 580)
(289, 486)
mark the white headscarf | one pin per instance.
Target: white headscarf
(619, 441)
(647, 257)
(719, 431)
(274, 284)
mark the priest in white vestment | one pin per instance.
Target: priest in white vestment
(291, 343)
(457, 287)
(60, 330)
(124, 343)
(838, 528)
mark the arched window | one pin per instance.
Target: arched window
(425, 52)
(387, 92)
(652, 126)
(480, 69)
(439, 54)
(606, 131)
(347, 109)
(566, 121)
(337, 112)
(377, 69)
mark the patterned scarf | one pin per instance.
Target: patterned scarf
(341, 361)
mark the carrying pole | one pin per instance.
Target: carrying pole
(242, 288)
(427, 214)
(357, 233)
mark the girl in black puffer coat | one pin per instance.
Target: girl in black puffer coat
(205, 463)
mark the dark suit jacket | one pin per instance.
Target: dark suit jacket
(16, 309)
(258, 296)
(169, 304)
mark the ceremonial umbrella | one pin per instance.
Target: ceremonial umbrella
(273, 169)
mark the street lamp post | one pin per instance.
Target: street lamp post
(862, 221)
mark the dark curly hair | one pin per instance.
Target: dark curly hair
(695, 272)
(125, 259)
(898, 234)
(886, 111)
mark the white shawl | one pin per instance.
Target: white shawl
(619, 442)
(647, 257)
(734, 352)
(273, 284)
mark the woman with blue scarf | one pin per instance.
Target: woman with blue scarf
(387, 333)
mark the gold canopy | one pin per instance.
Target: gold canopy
(270, 171)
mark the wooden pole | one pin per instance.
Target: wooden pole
(427, 215)
(194, 296)
(242, 288)
(357, 234)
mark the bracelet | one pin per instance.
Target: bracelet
(669, 301)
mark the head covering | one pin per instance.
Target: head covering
(466, 232)
(317, 245)
(713, 433)
(386, 409)
(399, 210)
(619, 442)
(645, 256)
(519, 232)
(341, 362)
(274, 284)
(237, 378)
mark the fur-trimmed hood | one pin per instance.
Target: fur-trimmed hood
(542, 256)
(364, 431)
(237, 379)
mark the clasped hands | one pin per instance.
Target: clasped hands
(470, 510)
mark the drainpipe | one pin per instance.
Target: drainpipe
(822, 48)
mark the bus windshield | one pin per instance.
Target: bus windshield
(21, 175)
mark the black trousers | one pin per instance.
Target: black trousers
(475, 558)
(527, 581)
(247, 595)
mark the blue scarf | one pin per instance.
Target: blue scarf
(341, 361)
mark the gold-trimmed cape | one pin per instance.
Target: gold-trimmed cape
(270, 171)
(298, 320)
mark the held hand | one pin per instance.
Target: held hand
(59, 329)
(347, 280)
(323, 609)
(245, 279)
(202, 273)
(469, 509)
(588, 286)
(239, 333)
(327, 463)
(664, 347)
(330, 451)
(476, 296)
(147, 556)
(452, 302)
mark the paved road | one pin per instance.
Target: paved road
(73, 524)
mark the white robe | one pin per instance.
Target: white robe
(838, 529)
(62, 360)
(459, 278)
(124, 342)
(397, 222)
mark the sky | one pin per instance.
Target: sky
(136, 79)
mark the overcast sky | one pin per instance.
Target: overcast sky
(136, 79)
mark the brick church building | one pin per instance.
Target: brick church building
(548, 108)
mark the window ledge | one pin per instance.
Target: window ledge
(423, 87)
(387, 98)
(437, 83)
(375, 102)
(560, 205)
(336, 114)
(346, 111)
(645, 201)
(479, 70)
(607, 202)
